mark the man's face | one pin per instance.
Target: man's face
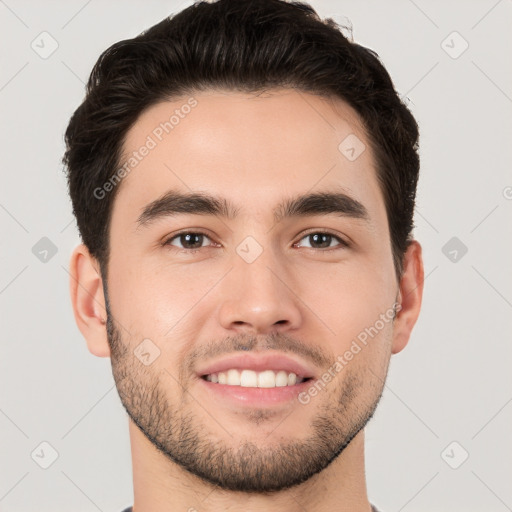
(256, 285)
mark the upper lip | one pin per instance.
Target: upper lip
(258, 363)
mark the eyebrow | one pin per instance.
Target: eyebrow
(175, 203)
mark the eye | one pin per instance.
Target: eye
(324, 240)
(191, 241)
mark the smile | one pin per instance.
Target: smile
(253, 379)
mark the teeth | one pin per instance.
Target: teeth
(252, 379)
(267, 379)
(233, 378)
(247, 379)
(281, 379)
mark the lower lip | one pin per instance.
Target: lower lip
(255, 396)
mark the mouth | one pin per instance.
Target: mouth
(247, 378)
(256, 379)
(256, 389)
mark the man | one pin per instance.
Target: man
(243, 178)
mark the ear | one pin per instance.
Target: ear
(88, 300)
(410, 295)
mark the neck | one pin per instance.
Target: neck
(160, 485)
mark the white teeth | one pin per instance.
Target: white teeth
(248, 379)
(267, 379)
(252, 379)
(233, 378)
(281, 379)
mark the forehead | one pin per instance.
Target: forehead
(254, 148)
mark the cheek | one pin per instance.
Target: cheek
(157, 301)
(348, 297)
(363, 324)
(363, 361)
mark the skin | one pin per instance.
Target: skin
(191, 452)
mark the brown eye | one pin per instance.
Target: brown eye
(323, 240)
(190, 241)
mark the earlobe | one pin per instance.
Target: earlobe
(88, 300)
(410, 296)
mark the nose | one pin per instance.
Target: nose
(259, 297)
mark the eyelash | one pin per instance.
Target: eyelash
(343, 243)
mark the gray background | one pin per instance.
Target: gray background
(450, 384)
